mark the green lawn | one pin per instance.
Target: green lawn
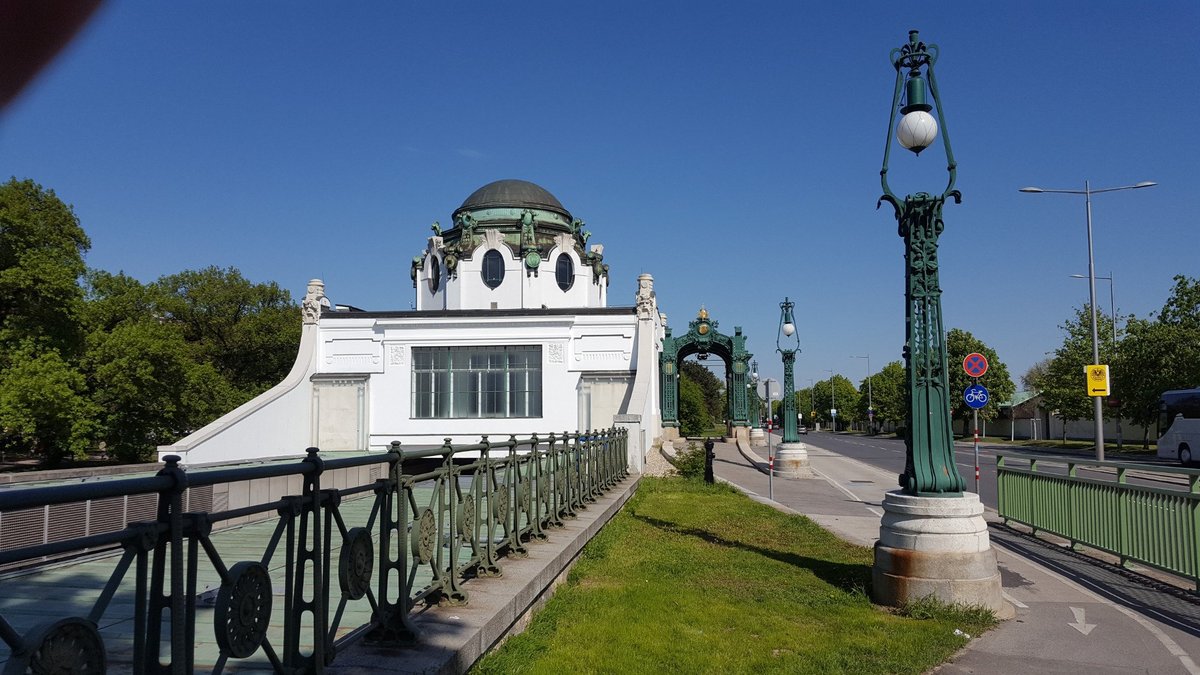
(691, 578)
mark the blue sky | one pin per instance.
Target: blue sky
(731, 150)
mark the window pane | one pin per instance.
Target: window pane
(465, 382)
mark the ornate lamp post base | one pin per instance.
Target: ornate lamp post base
(936, 546)
(757, 436)
(791, 461)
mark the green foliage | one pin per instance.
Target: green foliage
(887, 389)
(697, 578)
(41, 262)
(843, 394)
(690, 463)
(1159, 355)
(711, 388)
(1064, 386)
(694, 418)
(43, 407)
(960, 343)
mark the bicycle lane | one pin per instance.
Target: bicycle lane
(1065, 620)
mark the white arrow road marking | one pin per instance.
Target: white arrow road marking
(1080, 624)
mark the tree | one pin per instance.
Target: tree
(43, 409)
(711, 389)
(693, 413)
(248, 332)
(844, 395)
(886, 389)
(960, 343)
(41, 263)
(1035, 376)
(1064, 388)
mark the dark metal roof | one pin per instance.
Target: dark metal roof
(512, 193)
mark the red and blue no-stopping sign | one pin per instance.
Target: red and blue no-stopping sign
(975, 364)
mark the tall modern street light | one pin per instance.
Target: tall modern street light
(832, 402)
(1087, 192)
(870, 399)
(812, 397)
(930, 470)
(1112, 305)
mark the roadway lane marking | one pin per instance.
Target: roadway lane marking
(1081, 623)
(1013, 600)
(848, 492)
(1172, 647)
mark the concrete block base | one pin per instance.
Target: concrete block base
(757, 436)
(936, 546)
(791, 461)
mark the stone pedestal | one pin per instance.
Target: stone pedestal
(670, 433)
(936, 546)
(757, 436)
(791, 461)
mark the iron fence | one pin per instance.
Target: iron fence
(373, 550)
(1156, 524)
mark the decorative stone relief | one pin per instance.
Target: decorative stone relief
(395, 355)
(314, 301)
(554, 352)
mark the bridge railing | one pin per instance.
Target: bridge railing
(1155, 521)
(368, 549)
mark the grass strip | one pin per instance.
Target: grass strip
(695, 578)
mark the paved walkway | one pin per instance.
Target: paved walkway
(1074, 614)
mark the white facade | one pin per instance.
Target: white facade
(355, 385)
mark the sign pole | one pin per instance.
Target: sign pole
(975, 414)
(770, 461)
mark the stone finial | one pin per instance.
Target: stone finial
(646, 303)
(314, 300)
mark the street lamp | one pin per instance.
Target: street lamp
(1087, 193)
(758, 404)
(812, 396)
(870, 399)
(832, 402)
(787, 343)
(1112, 304)
(930, 469)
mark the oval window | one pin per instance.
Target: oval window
(493, 268)
(564, 272)
(435, 274)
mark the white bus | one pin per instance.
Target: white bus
(1179, 424)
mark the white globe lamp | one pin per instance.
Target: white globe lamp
(916, 130)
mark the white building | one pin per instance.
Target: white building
(511, 335)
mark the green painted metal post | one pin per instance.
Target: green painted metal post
(930, 469)
(787, 331)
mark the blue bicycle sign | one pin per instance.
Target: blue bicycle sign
(976, 396)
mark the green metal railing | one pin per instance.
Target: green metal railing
(383, 547)
(1153, 524)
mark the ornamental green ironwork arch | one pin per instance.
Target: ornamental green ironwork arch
(703, 338)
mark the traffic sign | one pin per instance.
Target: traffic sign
(975, 364)
(976, 396)
(1097, 380)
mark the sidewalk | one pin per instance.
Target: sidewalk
(1100, 620)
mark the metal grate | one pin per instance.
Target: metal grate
(107, 515)
(139, 508)
(66, 521)
(199, 499)
(26, 527)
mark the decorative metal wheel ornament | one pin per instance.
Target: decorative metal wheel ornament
(500, 503)
(71, 645)
(357, 562)
(424, 536)
(243, 609)
(526, 497)
(466, 518)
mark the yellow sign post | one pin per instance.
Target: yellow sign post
(1097, 380)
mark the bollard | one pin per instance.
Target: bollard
(708, 460)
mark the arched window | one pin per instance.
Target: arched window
(493, 268)
(564, 272)
(435, 274)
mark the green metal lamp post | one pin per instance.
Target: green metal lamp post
(783, 344)
(929, 469)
